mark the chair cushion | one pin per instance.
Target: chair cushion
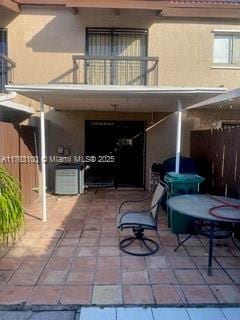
(132, 219)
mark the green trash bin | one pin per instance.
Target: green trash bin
(181, 183)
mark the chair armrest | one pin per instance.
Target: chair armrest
(134, 201)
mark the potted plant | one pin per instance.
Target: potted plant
(11, 208)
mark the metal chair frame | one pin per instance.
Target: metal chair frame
(138, 228)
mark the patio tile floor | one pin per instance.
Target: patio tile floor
(74, 258)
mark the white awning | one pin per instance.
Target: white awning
(228, 100)
(10, 110)
(115, 98)
(110, 98)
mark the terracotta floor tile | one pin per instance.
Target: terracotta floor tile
(198, 251)
(109, 251)
(52, 233)
(202, 262)
(53, 277)
(154, 262)
(69, 242)
(234, 275)
(79, 249)
(9, 263)
(15, 294)
(30, 264)
(87, 252)
(65, 251)
(218, 276)
(135, 277)
(17, 252)
(80, 278)
(162, 276)
(110, 294)
(108, 241)
(110, 234)
(24, 278)
(84, 263)
(59, 263)
(39, 252)
(141, 294)
(88, 242)
(181, 263)
(72, 234)
(226, 293)
(229, 262)
(170, 251)
(168, 294)
(24, 242)
(198, 294)
(187, 276)
(33, 235)
(222, 252)
(133, 263)
(76, 295)
(5, 276)
(90, 234)
(47, 295)
(47, 242)
(112, 276)
(193, 241)
(108, 263)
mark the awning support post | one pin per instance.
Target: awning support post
(179, 133)
(43, 161)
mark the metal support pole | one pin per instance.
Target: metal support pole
(179, 133)
(210, 253)
(43, 161)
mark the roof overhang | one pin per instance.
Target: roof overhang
(228, 100)
(223, 9)
(10, 5)
(12, 111)
(115, 98)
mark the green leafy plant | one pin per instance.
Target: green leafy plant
(11, 208)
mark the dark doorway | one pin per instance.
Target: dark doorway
(119, 148)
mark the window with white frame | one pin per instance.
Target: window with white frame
(226, 49)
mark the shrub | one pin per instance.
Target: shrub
(11, 208)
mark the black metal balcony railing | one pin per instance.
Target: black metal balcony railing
(115, 70)
(7, 66)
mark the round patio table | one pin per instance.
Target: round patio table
(199, 206)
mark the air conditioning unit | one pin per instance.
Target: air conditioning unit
(69, 179)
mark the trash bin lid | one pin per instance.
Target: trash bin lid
(183, 177)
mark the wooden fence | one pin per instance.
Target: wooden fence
(217, 153)
(18, 155)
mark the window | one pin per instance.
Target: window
(116, 42)
(3, 41)
(226, 49)
(111, 44)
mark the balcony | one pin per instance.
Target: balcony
(115, 70)
(7, 66)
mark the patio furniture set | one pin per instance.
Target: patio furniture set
(212, 216)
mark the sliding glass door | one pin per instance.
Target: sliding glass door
(115, 56)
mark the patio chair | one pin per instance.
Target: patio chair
(140, 220)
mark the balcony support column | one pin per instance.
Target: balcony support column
(43, 161)
(179, 134)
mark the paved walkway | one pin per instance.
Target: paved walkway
(74, 259)
(127, 314)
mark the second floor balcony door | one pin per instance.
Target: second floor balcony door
(115, 57)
